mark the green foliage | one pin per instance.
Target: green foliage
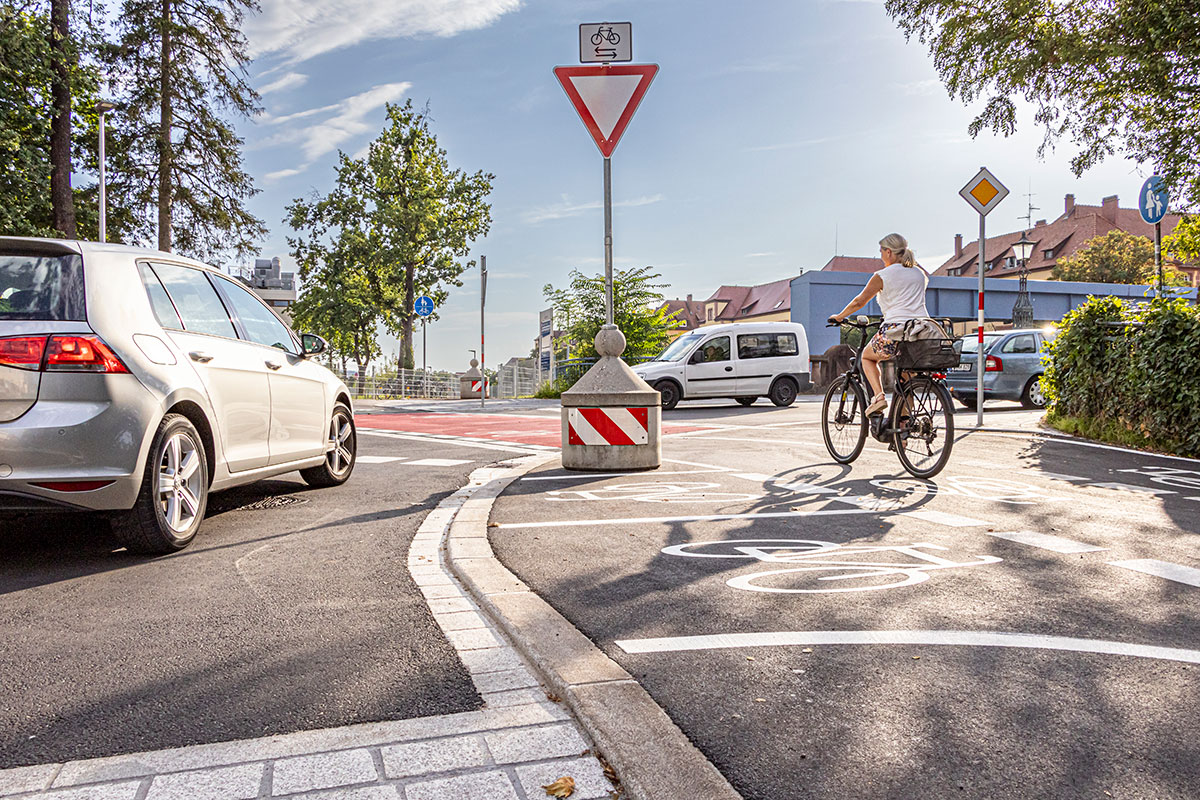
(552, 390)
(1108, 75)
(1127, 371)
(400, 218)
(1183, 245)
(1116, 257)
(169, 120)
(638, 311)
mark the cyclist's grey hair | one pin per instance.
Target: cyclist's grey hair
(899, 245)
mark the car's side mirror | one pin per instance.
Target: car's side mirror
(697, 357)
(312, 344)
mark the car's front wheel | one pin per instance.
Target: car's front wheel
(174, 492)
(341, 450)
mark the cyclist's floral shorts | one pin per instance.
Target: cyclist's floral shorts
(885, 345)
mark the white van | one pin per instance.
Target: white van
(739, 360)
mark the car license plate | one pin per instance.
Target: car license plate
(961, 368)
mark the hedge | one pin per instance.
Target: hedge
(1128, 372)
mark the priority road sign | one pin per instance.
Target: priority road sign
(606, 97)
(423, 306)
(984, 192)
(1153, 200)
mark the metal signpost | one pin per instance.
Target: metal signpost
(1152, 203)
(482, 299)
(605, 42)
(546, 343)
(606, 97)
(423, 308)
(984, 192)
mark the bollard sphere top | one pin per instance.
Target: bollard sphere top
(610, 341)
(474, 363)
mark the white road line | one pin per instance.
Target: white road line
(817, 444)
(587, 476)
(942, 518)
(713, 467)
(806, 488)
(1162, 569)
(675, 644)
(1057, 475)
(482, 444)
(437, 462)
(687, 518)
(758, 477)
(378, 459)
(1069, 440)
(1045, 541)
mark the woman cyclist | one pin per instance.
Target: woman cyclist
(900, 287)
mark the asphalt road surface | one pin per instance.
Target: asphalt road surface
(293, 610)
(1023, 626)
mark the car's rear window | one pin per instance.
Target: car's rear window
(41, 287)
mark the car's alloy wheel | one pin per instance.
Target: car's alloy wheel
(341, 449)
(1033, 396)
(179, 485)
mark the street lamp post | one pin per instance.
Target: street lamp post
(103, 107)
(1023, 308)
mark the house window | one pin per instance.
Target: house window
(1048, 253)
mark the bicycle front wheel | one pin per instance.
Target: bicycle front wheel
(923, 425)
(843, 423)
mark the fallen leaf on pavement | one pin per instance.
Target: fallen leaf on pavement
(806, 650)
(563, 787)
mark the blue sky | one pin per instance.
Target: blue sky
(773, 127)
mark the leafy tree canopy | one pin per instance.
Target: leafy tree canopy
(1108, 75)
(1183, 244)
(638, 311)
(1116, 257)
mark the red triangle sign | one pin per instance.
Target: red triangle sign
(606, 96)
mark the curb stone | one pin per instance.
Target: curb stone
(653, 758)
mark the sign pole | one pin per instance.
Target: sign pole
(1158, 270)
(425, 354)
(482, 300)
(608, 257)
(980, 360)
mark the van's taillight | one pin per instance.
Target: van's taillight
(22, 352)
(81, 354)
(61, 353)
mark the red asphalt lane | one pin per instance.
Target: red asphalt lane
(545, 430)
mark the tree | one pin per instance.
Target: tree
(176, 161)
(63, 60)
(1116, 257)
(1106, 74)
(402, 216)
(337, 305)
(1183, 245)
(638, 311)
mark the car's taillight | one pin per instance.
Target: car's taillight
(993, 364)
(70, 353)
(22, 352)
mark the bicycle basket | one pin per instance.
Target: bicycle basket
(929, 355)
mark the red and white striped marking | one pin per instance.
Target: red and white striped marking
(476, 386)
(608, 426)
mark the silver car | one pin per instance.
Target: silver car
(135, 382)
(1012, 367)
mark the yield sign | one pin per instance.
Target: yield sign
(606, 97)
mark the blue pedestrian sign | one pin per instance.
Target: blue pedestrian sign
(1152, 201)
(423, 306)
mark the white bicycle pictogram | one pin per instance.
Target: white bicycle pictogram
(814, 560)
(677, 492)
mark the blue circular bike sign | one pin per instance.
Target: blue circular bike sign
(423, 306)
(1152, 201)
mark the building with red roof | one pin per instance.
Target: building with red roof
(853, 264)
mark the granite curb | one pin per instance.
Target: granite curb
(653, 758)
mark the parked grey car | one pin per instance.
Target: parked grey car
(135, 382)
(1012, 367)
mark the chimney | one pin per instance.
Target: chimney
(1108, 208)
(1070, 205)
(689, 298)
(957, 245)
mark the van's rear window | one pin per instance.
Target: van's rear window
(41, 287)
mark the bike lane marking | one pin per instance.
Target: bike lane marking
(1162, 569)
(1045, 541)
(678, 644)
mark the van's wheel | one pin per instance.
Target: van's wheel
(341, 443)
(783, 392)
(746, 401)
(173, 495)
(1033, 396)
(670, 394)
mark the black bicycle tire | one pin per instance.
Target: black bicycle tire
(947, 404)
(861, 399)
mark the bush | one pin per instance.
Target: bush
(1128, 372)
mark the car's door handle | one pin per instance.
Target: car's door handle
(201, 356)
(729, 369)
(273, 365)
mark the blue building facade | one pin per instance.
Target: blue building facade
(817, 294)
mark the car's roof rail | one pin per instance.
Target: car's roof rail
(24, 246)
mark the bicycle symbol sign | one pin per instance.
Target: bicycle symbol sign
(605, 42)
(810, 566)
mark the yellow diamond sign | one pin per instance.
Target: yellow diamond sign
(984, 192)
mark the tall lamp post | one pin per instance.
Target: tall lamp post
(102, 108)
(1022, 314)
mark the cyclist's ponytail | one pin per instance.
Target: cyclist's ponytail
(899, 246)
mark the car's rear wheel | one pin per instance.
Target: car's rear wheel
(174, 492)
(341, 450)
(669, 390)
(1033, 396)
(968, 402)
(783, 392)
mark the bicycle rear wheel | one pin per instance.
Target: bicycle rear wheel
(843, 424)
(923, 425)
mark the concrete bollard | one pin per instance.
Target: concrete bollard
(611, 418)
(470, 385)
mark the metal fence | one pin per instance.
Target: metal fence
(403, 384)
(519, 379)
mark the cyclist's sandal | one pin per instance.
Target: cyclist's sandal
(877, 405)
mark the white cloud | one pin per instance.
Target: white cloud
(758, 255)
(302, 29)
(567, 209)
(281, 174)
(931, 86)
(793, 145)
(292, 80)
(333, 125)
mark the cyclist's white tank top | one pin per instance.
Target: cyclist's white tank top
(903, 294)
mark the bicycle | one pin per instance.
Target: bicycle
(920, 423)
(606, 35)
